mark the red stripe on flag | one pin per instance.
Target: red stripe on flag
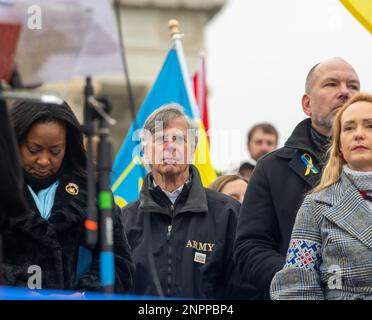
(9, 35)
(201, 93)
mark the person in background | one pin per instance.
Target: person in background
(246, 169)
(281, 178)
(262, 138)
(233, 185)
(330, 252)
(53, 159)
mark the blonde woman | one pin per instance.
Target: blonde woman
(330, 251)
(234, 185)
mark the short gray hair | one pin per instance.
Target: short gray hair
(311, 76)
(164, 115)
(310, 79)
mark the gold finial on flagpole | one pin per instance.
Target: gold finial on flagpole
(173, 27)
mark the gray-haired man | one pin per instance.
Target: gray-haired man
(181, 234)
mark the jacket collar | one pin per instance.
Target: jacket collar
(65, 212)
(301, 138)
(193, 197)
(297, 145)
(347, 209)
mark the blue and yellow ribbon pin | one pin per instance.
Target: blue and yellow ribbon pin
(306, 158)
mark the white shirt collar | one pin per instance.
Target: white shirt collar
(172, 196)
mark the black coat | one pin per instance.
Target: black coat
(11, 180)
(203, 224)
(54, 244)
(12, 202)
(275, 193)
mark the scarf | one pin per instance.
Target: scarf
(44, 199)
(321, 144)
(362, 181)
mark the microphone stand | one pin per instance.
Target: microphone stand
(91, 221)
(105, 201)
(99, 109)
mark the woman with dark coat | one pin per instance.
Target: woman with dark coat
(12, 203)
(51, 236)
(330, 251)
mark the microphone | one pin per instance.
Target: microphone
(31, 97)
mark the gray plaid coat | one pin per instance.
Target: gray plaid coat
(330, 251)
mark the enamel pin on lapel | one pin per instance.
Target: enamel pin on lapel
(200, 257)
(306, 158)
(72, 188)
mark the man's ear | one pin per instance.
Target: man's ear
(306, 104)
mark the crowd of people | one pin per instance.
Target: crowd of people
(292, 223)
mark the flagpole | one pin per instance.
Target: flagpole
(201, 155)
(176, 37)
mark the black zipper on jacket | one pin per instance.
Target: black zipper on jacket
(169, 276)
(172, 207)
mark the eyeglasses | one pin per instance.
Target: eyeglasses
(178, 139)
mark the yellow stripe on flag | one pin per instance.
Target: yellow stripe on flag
(117, 183)
(361, 10)
(120, 201)
(202, 158)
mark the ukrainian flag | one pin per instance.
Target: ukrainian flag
(361, 10)
(128, 170)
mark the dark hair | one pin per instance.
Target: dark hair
(266, 128)
(12, 202)
(246, 165)
(24, 115)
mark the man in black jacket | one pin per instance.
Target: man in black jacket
(281, 178)
(181, 234)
